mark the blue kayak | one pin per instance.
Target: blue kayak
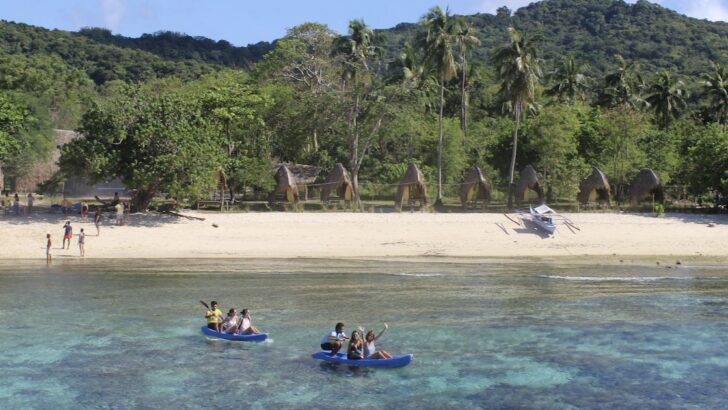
(259, 337)
(395, 361)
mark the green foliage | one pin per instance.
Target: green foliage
(622, 129)
(708, 160)
(153, 142)
(552, 139)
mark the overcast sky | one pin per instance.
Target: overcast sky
(249, 21)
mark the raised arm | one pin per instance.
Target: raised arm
(386, 326)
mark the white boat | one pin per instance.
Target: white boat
(543, 217)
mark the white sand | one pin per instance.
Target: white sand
(352, 235)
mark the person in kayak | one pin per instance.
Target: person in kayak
(370, 350)
(246, 324)
(214, 317)
(334, 339)
(356, 347)
(231, 324)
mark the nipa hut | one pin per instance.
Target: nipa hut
(411, 188)
(304, 175)
(338, 181)
(595, 188)
(528, 180)
(474, 188)
(645, 185)
(285, 185)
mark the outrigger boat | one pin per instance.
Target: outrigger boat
(543, 217)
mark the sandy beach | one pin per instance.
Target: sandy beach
(368, 235)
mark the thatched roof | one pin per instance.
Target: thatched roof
(594, 182)
(474, 187)
(303, 174)
(411, 186)
(528, 180)
(644, 185)
(286, 183)
(338, 180)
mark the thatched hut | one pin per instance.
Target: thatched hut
(474, 188)
(595, 188)
(411, 188)
(285, 185)
(304, 175)
(338, 181)
(528, 180)
(645, 185)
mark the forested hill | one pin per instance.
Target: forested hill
(180, 46)
(106, 57)
(595, 30)
(592, 30)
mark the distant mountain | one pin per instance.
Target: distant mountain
(592, 30)
(595, 30)
(179, 47)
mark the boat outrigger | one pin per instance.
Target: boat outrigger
(543, 217)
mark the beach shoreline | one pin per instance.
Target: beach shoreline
(460, 237)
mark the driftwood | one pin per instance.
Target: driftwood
(196, 218)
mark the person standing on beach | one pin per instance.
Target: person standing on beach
(116, 199)
(97, 220)
(67, 235)
(119, 213)
(82, 243)
(29, 209)
(84, 211)
(16, 204)
(48, 248)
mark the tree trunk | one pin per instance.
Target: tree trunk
(517, 117)
(142, 198)
(438, 202)
(463, 102)
(355, 187)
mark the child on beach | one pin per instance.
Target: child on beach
(82, 243)
(48, 248)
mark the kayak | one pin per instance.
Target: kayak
(259, 337)
(395, 361)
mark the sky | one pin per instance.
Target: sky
(248, 21)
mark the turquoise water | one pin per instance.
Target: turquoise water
(125, 334)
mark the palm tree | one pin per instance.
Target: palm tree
(439, 56)
(519, 71)
(570, 82)
(465, 40)
(624, 85)
(715, 88)
(667, 98)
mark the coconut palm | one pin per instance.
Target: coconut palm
(465, 39)
(570, 82)
(715, 88)
(439, 56)
(519, 71)
(666, 97)
(624, 85)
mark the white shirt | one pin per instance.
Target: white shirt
(246, 323)
(332, 333)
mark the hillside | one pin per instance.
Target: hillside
(593, 30)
